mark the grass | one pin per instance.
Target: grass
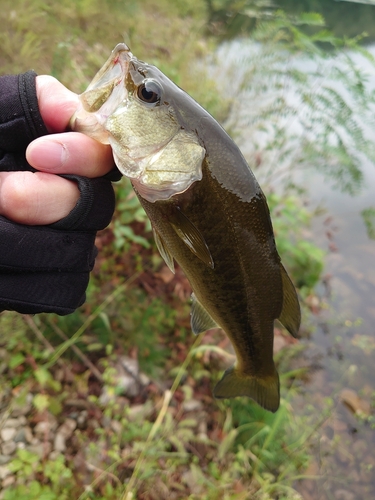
(176, 452)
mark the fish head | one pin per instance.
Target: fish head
(143, 115)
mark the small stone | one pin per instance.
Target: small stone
(131, 365)
(63, 433)
(188, 478)
(144, 379)
(4, 459)
(356, 404)
(107, 395)
(82, 419)
(24, 435)
(7, 434)
(54, 455)
(8, 448)
(129, 385)
(59, 443)
(42, 429)
(116, 426)
(137, 412)
(192, 405)
(68, 427)
(41, 449)
(106, 422)
(22, 420)
(8, 481)
(202, 428)
(45, 427)
(28, 435)
(344, 495)
(20, 437)
(4, 472)
(12, 422)
(93, 423)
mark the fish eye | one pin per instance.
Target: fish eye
(149, 92)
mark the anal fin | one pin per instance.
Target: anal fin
(200, 320)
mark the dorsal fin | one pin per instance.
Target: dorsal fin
(290, 316)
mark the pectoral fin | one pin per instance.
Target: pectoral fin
(191, 236)
(290, 316)
(163, 250)
(200, 320)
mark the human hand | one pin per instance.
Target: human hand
(54, 197)
(42, 197)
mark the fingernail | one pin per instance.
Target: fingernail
(46, 154)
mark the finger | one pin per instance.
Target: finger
(70, 153)
(57, 104)
(36, 198)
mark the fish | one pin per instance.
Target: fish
(207, 211)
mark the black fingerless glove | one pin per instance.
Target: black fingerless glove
(45, 268)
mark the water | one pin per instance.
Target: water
(342, 341)
(344, 337)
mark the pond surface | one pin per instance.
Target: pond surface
(341, 344)
(344, 342)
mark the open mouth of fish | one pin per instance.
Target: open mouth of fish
(104, 94)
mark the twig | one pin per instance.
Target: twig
(31, 323)
(78, 352)
(68, 343)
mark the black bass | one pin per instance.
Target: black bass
(207, 211)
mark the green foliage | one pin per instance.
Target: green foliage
(128, 210)
(303, 259)
(55, 473)
(368, 215)
(310, 108)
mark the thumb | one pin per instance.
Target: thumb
(56, 103)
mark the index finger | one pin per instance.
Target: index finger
(57, 104)
(70, 153)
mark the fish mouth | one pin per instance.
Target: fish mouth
(105, 93)
(110, 76)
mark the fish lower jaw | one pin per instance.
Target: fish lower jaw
(155, 184)
(154, 193)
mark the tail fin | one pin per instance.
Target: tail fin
(265, 391)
